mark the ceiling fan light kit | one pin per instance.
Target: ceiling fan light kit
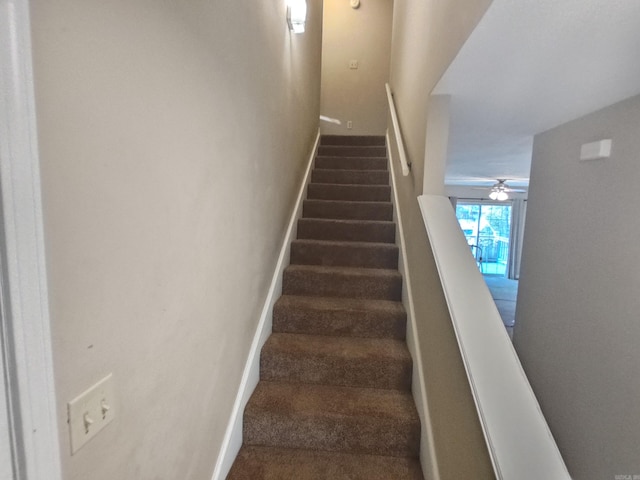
(500, 191)
(499, 195)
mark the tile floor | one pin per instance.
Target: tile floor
(504, 292)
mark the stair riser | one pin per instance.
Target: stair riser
(310, 228)
(351, 151)
(303, 253)
(348, 210)
(255, 463)
(357, 193)
(350, 177)
(320, 284)
(303, 367)
(362, 434)
(351, 140)
(338, 323)
(351, 163)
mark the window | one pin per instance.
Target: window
(487, 226)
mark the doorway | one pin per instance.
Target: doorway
(487, 228)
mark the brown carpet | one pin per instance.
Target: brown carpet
(334, 398)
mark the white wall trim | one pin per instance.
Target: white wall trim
(251, 375)
(428, 459)
(31, 387)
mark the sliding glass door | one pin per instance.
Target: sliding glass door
(487, 227)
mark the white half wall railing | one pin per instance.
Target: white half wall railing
(518, 438)
(406, 166)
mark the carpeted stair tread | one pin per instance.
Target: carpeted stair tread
(346, 210)
(345, 254)
(347, 230)
(352, 151)
(321, 281)
(352, 140)
(334, 398)
(362, 193)
(348, 317)
(332, 418)
(272, 463)
(347, 361)
(352, 177)
(351, 163)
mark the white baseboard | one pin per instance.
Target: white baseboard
(251, 375)
(428, 459)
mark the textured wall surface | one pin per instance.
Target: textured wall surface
(173, 137)
(577, 330)
(426, 37)
(362, 34)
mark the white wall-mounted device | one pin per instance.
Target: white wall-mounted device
(90, 412)
(355, 3)
(596, 150)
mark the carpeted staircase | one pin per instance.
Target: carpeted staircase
(334, 399)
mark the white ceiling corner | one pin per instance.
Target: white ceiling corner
(531, 65)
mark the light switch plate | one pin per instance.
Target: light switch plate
(90, 412)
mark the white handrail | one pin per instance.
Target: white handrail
(519, 440)
(406, 166)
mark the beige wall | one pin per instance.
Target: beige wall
(458, 439)
(577, 330)
(426, 37)
(173, 136)
(362, 34)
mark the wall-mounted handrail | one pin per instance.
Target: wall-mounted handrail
(406, 166)
(518, 438)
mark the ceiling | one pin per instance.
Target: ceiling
(531, 65)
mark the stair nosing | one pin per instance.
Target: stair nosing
(303, 298)
(349, 170)
(387, 272)
(347, 220)
(350, 185)
(350, 243)
(356, 156)
(366, 202)
(397, 343)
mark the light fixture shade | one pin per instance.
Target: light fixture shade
(502, 196)
(493, 195)
(296, 15)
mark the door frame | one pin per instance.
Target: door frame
(26, 325)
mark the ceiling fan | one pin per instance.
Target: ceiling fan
(500, 190)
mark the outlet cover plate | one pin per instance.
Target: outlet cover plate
(90, 412)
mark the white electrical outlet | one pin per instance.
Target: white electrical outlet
(90, 412)
(353, 64)
(349, 124)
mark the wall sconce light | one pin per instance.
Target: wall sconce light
(296, 15)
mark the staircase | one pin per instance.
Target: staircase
(334, 399)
